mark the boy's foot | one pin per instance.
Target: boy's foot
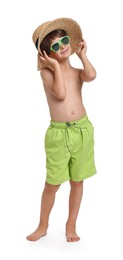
(71, 235)
(37, 234)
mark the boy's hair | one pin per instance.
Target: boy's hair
(46, 43)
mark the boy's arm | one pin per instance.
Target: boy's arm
(52, 77)
(88, 73)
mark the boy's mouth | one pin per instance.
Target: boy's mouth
(65, 50)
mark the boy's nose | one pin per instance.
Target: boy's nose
(61, 46)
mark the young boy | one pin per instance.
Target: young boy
(69, 140)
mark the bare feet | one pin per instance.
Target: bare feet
(37, 234)
(72, 237)
(71, 234)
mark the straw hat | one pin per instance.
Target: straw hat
(70, 26)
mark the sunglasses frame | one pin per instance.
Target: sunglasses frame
(60, 42)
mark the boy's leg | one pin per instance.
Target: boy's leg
(74, 205)
(47, 202)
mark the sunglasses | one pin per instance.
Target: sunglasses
(64, 41)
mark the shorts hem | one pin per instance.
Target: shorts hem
(56, 182)
(85, 177)
(72, 179)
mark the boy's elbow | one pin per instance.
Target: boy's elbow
(92, 75)
(61, 96)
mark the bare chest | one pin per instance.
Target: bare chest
(72, 82)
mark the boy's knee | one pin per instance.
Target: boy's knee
(51, 188)
(76, 183)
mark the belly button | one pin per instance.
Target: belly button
(72, 112)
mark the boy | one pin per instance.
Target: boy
(69, 140)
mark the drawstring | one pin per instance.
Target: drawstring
(76, 126)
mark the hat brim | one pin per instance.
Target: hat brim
(70, 26)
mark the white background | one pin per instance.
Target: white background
(24, 117)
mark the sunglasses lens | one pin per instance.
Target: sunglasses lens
(65, 40)
(55, 47)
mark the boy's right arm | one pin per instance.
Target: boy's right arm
(53, 78)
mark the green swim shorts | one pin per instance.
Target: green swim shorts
(69, 150)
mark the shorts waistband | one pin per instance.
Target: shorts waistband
(76, 123)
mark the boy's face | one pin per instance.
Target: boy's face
(64, 50)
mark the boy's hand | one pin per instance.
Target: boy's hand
(81, 49)
(46, 61)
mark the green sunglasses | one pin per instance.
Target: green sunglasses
(64, 41)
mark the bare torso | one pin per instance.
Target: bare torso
(71, 108)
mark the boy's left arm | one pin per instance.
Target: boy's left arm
(88, 73)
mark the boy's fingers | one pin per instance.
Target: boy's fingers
(40, 55)
(42, 59)
(45, 54)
